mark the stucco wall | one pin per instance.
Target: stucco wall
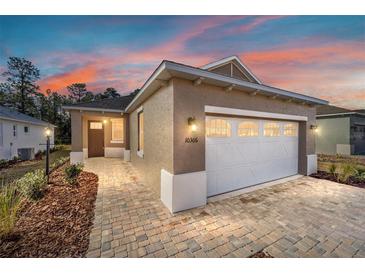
(332, 131)
(158, 116)
(189, 101)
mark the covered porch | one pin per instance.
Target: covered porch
(99, 134)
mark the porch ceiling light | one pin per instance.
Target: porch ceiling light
(192, 124)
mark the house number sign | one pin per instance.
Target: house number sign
(190, 140)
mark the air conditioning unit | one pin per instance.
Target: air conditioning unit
(26, 153)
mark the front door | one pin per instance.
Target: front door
(95, 139)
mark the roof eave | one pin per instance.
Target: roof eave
(169, 66)
(27, 122)
(92, 109)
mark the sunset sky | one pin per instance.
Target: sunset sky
(321, 56)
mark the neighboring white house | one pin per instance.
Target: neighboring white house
(21, 135)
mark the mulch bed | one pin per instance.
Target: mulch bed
(352, 181)
(59, 224)
(261, 254)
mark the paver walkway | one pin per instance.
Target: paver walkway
(306, 217)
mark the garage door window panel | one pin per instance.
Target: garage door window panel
(218, 128)
(271, 129)
(290, 129)
(248, 129)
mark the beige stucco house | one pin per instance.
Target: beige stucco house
(194, 133)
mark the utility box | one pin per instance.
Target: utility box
(26, 153)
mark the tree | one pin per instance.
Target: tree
(111, 93)
(135, 92)
(108, 93)
(77, 91)
(21, 78)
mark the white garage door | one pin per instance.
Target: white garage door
(247, 152)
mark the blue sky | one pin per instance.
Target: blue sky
(322, 56)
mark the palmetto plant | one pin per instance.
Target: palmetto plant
(10, 201)
(348, 170)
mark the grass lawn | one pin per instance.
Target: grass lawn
(325, 161)
(18, 170)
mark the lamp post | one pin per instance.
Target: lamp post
(48, 134)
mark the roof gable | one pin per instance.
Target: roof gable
(13, 115)
(233, 67)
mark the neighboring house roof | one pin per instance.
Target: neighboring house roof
(117, 104)
(232, 59)
(330, 111)
(12, 115)
(168, 69)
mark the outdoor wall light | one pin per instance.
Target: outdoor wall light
(192, 124)
(314, 127)
(105, 121)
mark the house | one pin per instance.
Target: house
(21, 135)
(198, 132)
(340, 131)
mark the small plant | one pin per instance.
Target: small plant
(360, 173)
(10, 201)
(72, 172)
(348, 170)
(33, 184)
(332, 169)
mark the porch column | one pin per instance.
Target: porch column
(76, 155)
(127, 149)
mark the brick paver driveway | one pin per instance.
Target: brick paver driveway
(303, 218)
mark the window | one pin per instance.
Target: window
(26, 130)
(96, 125)
(140, 132)
(117, 131)
(290, 129)
(218, 128)
(271, 129)
(15, 131)
(248, 128)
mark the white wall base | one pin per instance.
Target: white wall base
(76, 157)
(311, 164)
(86, 153)
(127, 155)
(113, 152)
(183, 191)
(343, 149)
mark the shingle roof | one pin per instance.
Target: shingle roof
(10, 114)
(118, 103)
(332, 110)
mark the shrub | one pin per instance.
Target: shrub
(10, 201)
(33, 184)
(72, 172)
(39, 155)
(59, 162)
(347, 171)
(360, 173)
(332, 169)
